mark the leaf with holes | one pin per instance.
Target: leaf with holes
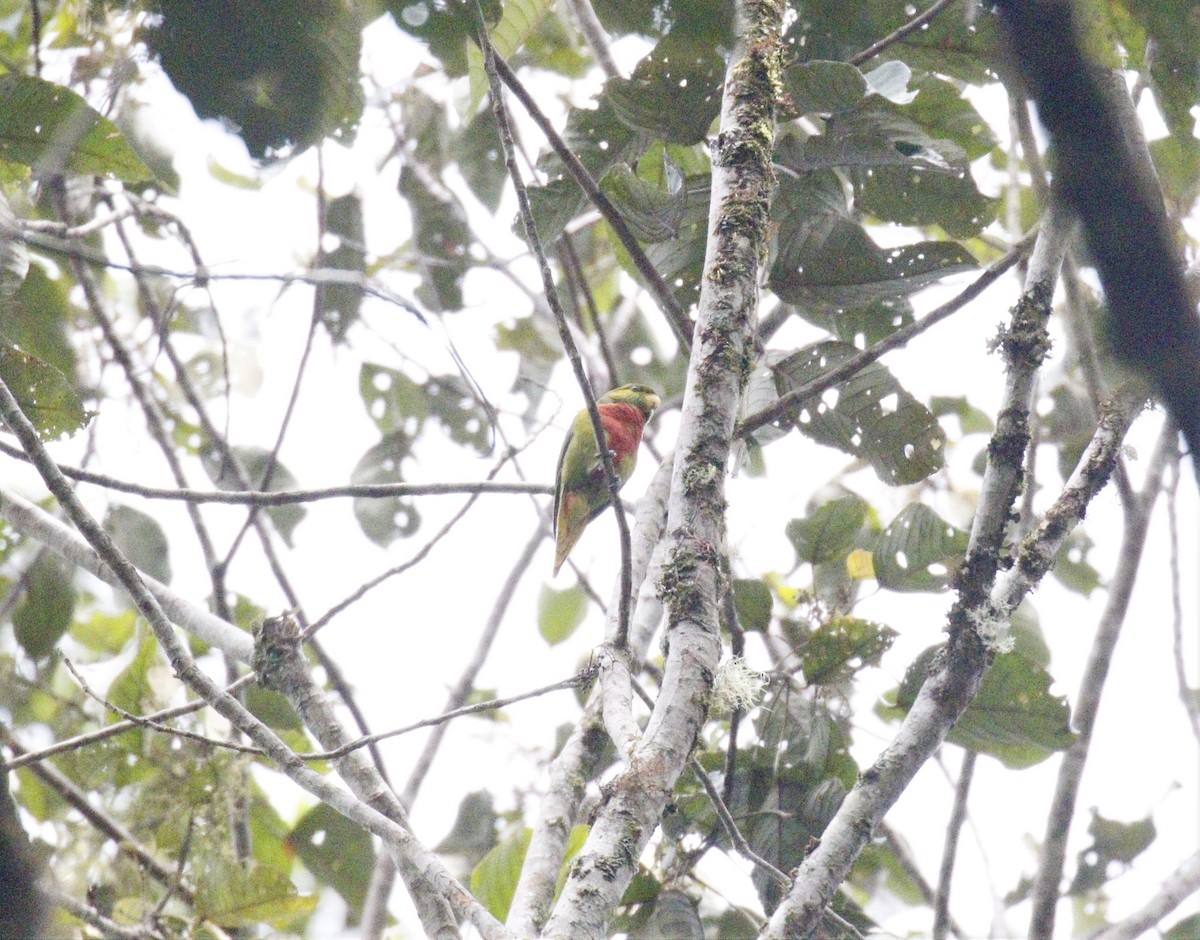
(255, 461)
(841, 647)
(919, 551)
(674, 93)
(1014, 717)
(336, 850)
(387, 518)
(53, 131)
(827, 534)
(868, 416)
(45, 395)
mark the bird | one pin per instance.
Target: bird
(580, 487)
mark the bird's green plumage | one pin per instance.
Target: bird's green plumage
(581, 491)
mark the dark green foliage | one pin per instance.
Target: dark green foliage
(283, 72)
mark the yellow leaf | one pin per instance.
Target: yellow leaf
(860, 565)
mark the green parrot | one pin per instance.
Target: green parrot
(580, 490)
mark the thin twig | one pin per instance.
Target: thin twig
(911, 26)
(580, 679)
(731, 829)
(291, 497)
(1046, 885)
(358, 593)
(133, 723)
(201, 275)
(1186, 693)
(150, 723)
(676, 316)
(901, 337)
(492, 65)
(958, 816)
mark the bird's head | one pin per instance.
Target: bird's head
(642, 397)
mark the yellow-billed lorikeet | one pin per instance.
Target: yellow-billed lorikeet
(580, 490)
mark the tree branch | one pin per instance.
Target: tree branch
(1178, 887)
(493, 65)
(1091, 687)
(721, 359)
(576, 763)
(410, 854)
(974, 633)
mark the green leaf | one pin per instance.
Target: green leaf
(131, 689)
(823, 87)
(826, 259)
(1114, 846)
(1071, 567)
(443, 239)
(140, 539)
(653, 214)
(40, 320)
(291, 76)
(53, 131)
(494, 880)
(517, 23)
(480, 159)
(272, 708)
(1186, 929)
(560, 612)
(474, 829)
(869, 416)
(680, 260)
(918, 551)
(752, 601)
(843, 646)
(915, 196)
(1014, 718)
(45, 395)
(674, 92)
(448, 29)
(338, 304)
(254, 461)
(247, 894)
(105, 633)
(600, 140)
(337, 851)
(387, 518)
(827, 534)
(46, 607)
(971, 420)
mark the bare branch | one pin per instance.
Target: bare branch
(896, 35)
(721, 360)
(901, 337)
(409, 851)
(947, 692)
(1051, 859)
(958, 816)
(1178, 887)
